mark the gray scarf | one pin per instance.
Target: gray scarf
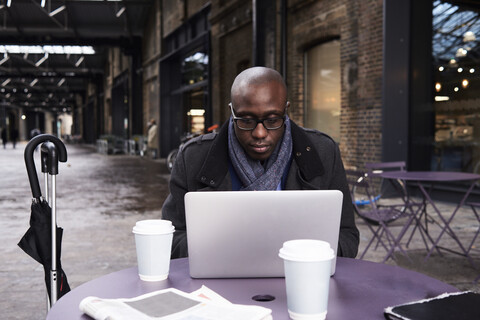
(254, 175)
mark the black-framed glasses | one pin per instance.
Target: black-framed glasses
(250, 123)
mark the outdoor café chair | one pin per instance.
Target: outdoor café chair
(474, 206)
(379, 218)
(387, 191)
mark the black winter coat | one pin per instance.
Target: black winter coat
(202, 165)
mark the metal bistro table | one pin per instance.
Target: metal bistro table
(439, 176)
(358, 290)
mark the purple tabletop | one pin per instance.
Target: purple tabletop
(358, 290)
(430, 175)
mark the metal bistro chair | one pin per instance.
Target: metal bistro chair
(387, 191)
(378, 218)
(474, 206)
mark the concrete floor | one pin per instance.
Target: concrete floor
(99, 199)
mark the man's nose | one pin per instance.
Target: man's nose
(260, 131)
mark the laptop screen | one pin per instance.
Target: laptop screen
(236, 234)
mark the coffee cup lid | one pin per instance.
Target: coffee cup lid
(306, 250)
(153, 226)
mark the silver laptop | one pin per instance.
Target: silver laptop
(237, 234)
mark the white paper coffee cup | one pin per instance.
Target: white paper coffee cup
(153, 241)
(307, 277)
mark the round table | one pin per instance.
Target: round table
(358, 290)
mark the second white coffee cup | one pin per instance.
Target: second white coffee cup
(153, 241)
(307, 277)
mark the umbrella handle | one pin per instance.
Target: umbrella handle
(49, 157)
(30, 164)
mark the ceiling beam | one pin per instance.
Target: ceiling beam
(47, 14)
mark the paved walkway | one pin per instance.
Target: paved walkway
(99, 199)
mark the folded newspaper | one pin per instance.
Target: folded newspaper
(172, 304)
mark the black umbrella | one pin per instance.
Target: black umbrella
(37, 241)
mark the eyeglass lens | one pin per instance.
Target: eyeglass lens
(250, 124)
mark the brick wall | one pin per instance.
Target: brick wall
(172, 16)
(362, 106)
(358, 25)
(151, 51)
(231, 33)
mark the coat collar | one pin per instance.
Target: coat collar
(305, 155)
(215, 166)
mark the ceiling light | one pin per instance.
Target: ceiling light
(469, 36)
(438, 86)
(456, 89)
(9, 3)
(4, 83)
(120, 12)
(77, 64)
(442, 98)
(472, 70)
(59, 84)
(34, 82)
(42, 60)
(465, 83)
(441, 68)
(5, 58)
(452, 61)
(196, 112)
(460, 70)
(461, 52)
(43, 3)
(56, 11)
(47, 48)
(79, 49)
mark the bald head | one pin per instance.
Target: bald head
(256, 76)
(259, 94)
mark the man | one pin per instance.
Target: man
(14, 137)
(259, 148)
(152, 140)
(4, 137)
